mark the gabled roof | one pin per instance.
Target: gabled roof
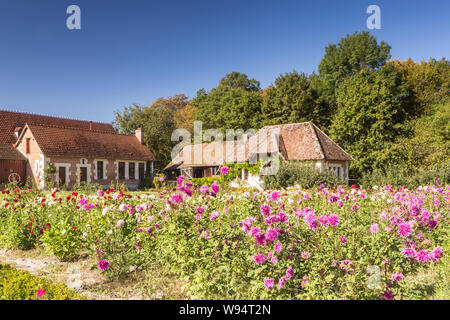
(81, 143)
(297, 141)
(8, 152)
(208, 154)
(12, 120)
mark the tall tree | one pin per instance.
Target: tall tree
(352, 54)
(370, 116)
(428, 83)
(293, 99)
(234, 103)
(157, 123)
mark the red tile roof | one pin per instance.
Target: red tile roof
(298, 141)
(80, 143)
(10, 120)
(8, 152)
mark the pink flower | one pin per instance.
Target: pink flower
(343, 239)
(259, 258)
(271, 235)
(120, 223)
(265, 209)
(214, 215)
(436, 254)
(268, 283)
(423, 256)
(387, 295)
(333, 219)
(278, 247)
(374, 228)
(305, 254)
(224, 170)
(289, 272)
(404, 230)
(397, 276)
(274, 196)
(281, 283)
(40, 293)
(355, 208)
(100, 193)
(409, 252)
(215, 188)
(103, 264)
(204, 188)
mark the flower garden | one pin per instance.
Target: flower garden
(322, 243)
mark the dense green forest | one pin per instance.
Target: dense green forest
(383, 111)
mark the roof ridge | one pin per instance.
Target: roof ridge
(332, 141)
(318, 140)
(52, 116)
(72, 128)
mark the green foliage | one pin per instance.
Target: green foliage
(369, 118)
(22, 285)
(157, 124)
(63, 240)
(198, 182)
(352, 54)
(293, 99)
(234, 104)
(402, 175)
(300, 174)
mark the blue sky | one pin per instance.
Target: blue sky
(136, 51)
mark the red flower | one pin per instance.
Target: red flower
(74, 228)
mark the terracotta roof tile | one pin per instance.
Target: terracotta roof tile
(296, 141)
(8, 152)
(79, 143)
(11, 120)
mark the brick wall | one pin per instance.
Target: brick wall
(35, 158)
(110, 170)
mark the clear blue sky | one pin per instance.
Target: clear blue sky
(136, 51)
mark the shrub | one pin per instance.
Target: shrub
(402, 175)
(63, 240)
(22, 285)
(293, 173)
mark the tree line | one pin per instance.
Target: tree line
(381, 110)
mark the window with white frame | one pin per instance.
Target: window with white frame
(336, 168)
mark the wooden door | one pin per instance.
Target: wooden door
(83, 174)
(8, 167)
(62, 176)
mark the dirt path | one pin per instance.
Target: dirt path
(79, 276)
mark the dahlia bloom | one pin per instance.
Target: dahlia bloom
(40, 293)
(265, 209)
(404, 230)
(204, 188)
(215, 188)
(289, 272)
(103, 264)
(224, 170)
(120, 223)
(397, 276)
(281, 282)
(271, 234)
(423, 256)
(268, 283)
(374, 228)
(259, 258)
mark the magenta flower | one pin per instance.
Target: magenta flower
(404, 230)
(374, 228)
(204, 188)
(436, 254)
(40, 293)
(215, 188)
(103, 264)
(271, 234)
(409, 252)
(289, 272)
(343, 239)
(259, 258)
(282, 282)
(265, 209)
(397, 276)
(224, 170)
(274, 196)
(268, 283)
(100, 193)
(278, 247)
(423, 256)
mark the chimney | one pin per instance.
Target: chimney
(139, 135)
(90, 125)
